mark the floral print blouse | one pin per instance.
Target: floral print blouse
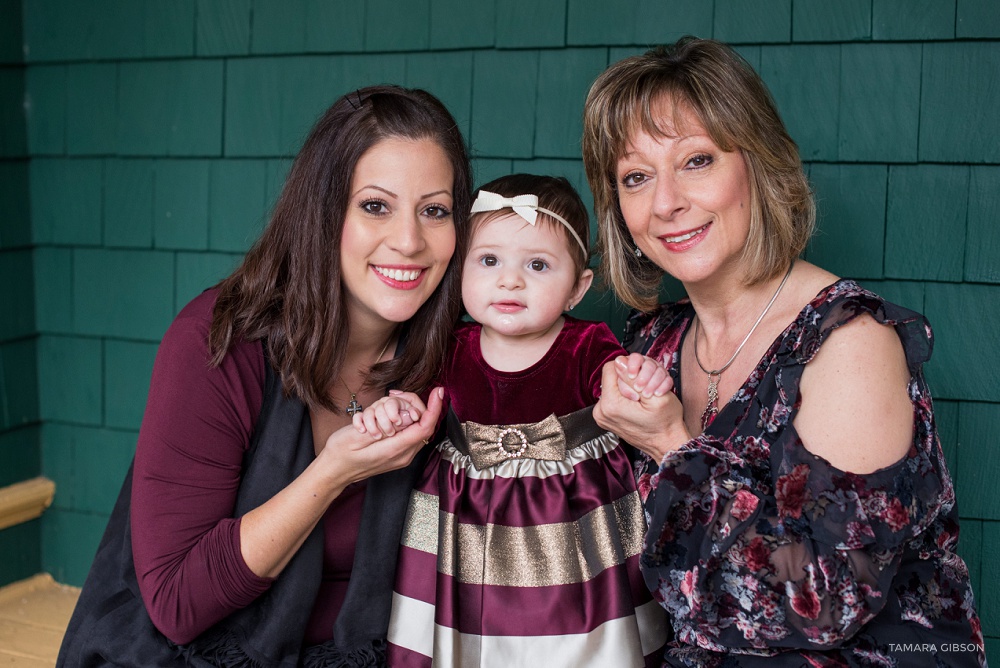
(764, 554)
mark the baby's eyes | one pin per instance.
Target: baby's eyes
(494, 261)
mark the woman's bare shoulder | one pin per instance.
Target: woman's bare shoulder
(855, 407)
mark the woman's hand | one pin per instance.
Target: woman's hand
(653, 423)
(641, 375)
(354, 456)
(271, 533)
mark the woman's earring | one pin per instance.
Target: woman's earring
(570, 307)
(638, 253)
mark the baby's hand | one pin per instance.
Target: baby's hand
(389, 414)
(640, 376)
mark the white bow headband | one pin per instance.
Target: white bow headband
(526, 206)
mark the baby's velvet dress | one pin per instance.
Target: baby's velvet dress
(522, 540)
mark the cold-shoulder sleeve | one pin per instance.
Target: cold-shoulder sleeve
(195, 431)
(803, 567)
(756, 544)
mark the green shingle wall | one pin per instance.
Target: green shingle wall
(143, 143)
(977, 19)
(913, 19)
(824, 21)
(21, 546)
(851, 208)
(879, 102)
(753, 21)
(20, 416)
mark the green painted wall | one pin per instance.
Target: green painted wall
(20, 546)
(142, 143)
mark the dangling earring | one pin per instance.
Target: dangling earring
(638, 253)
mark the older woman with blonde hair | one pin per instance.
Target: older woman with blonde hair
(798, 502)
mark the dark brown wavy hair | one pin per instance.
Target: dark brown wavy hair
(288, 290)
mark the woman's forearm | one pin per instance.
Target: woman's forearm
(272, 533)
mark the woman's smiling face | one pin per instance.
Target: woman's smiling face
(685, 201)
(399, 233)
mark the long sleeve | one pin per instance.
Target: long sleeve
(597, 349)
(757, 547)
(195, 431)
(802, 565)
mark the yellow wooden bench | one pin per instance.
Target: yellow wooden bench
(33, 612)
(33, 617)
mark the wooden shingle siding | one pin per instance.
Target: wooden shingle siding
(143, 144)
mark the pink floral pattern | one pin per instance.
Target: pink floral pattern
(766, 555)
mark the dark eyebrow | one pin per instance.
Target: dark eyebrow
(387, 192)
(395, 196)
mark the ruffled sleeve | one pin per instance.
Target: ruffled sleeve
(756, 543)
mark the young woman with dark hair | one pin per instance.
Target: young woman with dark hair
(257, 528)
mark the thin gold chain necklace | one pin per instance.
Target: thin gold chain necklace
(353, 406)
(715, 375)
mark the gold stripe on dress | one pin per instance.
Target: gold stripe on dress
(420, 530)
(536, 556)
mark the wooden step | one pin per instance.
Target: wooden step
(25, 501)
(33, 618)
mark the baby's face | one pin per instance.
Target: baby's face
(518, 278)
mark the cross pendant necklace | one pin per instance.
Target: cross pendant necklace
(353, 407)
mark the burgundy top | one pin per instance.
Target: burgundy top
(567, 378)
(188, 464)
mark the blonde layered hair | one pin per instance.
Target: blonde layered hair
(729, 99)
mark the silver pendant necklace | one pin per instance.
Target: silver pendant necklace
(715, 375)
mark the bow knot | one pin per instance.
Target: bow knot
(525, 206)
(489, 445)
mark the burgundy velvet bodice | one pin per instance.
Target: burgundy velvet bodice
(566, 379)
